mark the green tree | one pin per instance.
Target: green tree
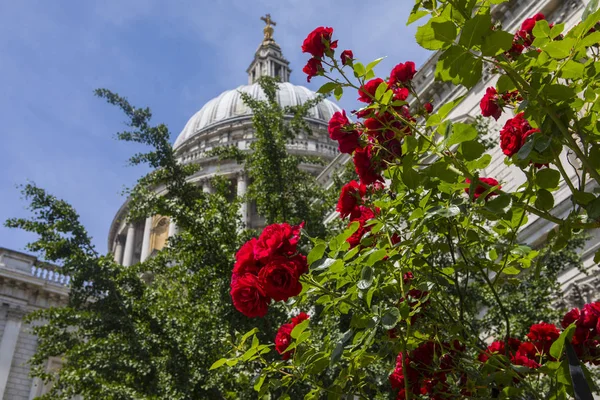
(152, 330)
(280, 187)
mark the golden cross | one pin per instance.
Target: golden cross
(268, 20)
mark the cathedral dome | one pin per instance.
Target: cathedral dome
(229, 105)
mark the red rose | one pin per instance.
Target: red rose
(312, 68)
(402, 73)
(336, 125)
(299, 318)
(526, 356)
(283, 339)
(316, 42)
(365, 112)
(570, 317)
(300, 264)
(279, 279)
(401, 94)
(498, 347)
(363, 162)
(428, 107)
(529, 23)
(350, 196)
(340, 129)
(284, 335)
(245, 261)
(489, 104)
(542, 335)
(248, 296)
(277, 239)
(346, 56)
(480, 189)
(366, 92)
(590, 313)
(514, 133)
(349, 143)
(365, 214)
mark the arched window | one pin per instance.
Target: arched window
(160, 233)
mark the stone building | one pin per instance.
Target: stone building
(27, 284)
(226, 120)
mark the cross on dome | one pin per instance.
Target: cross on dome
(268, 59)
(268, 30)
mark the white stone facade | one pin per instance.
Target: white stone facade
(26, 285)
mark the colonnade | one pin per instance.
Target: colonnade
(124, 246)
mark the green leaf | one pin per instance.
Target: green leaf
(559, 92)
(217, 364)
(511, 270)
(459, 67)
(475, 30)
(376, 256)
(298, 329)
(436, 34)
(589, 9)
(572, 70)
(525, 150)
(505, 84)
(366, 278)
(338, 92)
(480, 163)
(247, 335)
(259, 382)
(318, 364)
(316, 253)
(557, 348)
(496, 43)
(589, 40)
(472, 150)
(556, 30)
(559, 49)
(359, 69)
(373, 63)
(544, 200)
(410, 177)
(593, 209)
(327, 87)
(324, 263)
(541, 29)
(498, 204)
(381, 89)
(461, 133)
(547, 178)
(390, 318)
(443, 112)
(416, 15)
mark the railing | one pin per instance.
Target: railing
(50, 276)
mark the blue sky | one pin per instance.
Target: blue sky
(172, 56)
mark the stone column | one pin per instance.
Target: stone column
(146, 239)
(129, 243)
(173, 230)
(8, 345)
(241, 191)
(119, 249)
(207, 187)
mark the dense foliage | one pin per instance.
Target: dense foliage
(152, 330)
(428, 236)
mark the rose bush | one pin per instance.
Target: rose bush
(425, 228)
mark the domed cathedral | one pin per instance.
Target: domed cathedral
(226, 120)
